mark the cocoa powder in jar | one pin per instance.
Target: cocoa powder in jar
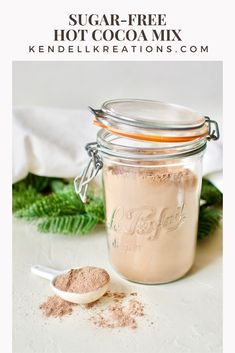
(152, 217)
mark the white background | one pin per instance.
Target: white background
(210, 21)
(77, 85)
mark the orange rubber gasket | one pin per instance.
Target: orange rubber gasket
(149, 137)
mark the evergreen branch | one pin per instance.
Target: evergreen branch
(39, 183)
(96, 207)
(21, 186)
(24, 198)
(53, 205)
(79, 224)
(210, 193)
(57, 185)
(209, 220)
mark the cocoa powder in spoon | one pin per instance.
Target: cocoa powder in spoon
(114, 310)
(82, 280)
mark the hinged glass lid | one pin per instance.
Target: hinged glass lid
(147, 113)
(153, 121)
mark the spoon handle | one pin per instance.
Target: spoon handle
(44, 272)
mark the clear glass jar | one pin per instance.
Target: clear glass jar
(151, 158)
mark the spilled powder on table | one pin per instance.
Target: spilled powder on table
(56, 307)
(121, 310)
(119, 314)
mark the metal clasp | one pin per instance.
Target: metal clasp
(213, 133)
(94, 164)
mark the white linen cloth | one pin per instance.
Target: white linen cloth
(50, 142)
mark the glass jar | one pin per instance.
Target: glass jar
(151, 158)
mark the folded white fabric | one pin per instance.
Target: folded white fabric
(50, 142)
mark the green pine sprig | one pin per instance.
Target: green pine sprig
(210, 213)
(95, 207)
(63, 203)
(210, 193)
(68, 224)
(55, 207)
(209, 220)
(24, 197)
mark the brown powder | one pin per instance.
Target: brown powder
(56, 307)
(91, 305)
(82, 280)
(135, 308)
(151, 218)
(119, 315)
(163, 175)
(113, 310)
(115, 295)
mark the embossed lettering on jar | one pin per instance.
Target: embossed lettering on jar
(151, 158)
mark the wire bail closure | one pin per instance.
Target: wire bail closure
(95, 163)
(213, 134)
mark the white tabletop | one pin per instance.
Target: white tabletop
(186, 314)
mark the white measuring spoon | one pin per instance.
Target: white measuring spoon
(77, 298)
